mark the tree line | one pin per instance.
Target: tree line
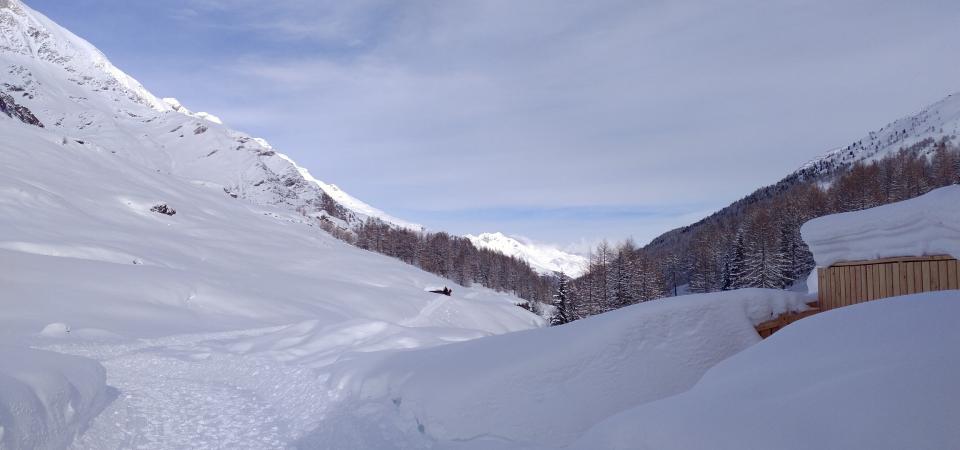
(451, 257)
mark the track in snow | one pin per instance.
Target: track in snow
(185, 392)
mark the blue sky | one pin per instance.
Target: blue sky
(564, 122)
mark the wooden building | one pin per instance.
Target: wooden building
(849, 283)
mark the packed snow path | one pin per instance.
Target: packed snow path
(183, 392)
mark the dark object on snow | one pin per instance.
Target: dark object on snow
(163, 209)
(445, 291)
(9, 107)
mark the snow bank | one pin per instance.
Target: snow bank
(542, 387)
(878, 375)
(47, 398)
(926, 225)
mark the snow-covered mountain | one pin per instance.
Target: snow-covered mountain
(545, 259)
(152, 251)
(75, 91)
(922, 130)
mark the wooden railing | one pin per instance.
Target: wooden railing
(849, 283)
(769, 327)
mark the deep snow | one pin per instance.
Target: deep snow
(47, 398)
(238, 323)
(925, 225)
(874, 376)
(542, 387)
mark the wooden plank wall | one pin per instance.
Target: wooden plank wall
(849, 283)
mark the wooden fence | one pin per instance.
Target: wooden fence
(849, 283)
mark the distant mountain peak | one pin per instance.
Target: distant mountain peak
(545, 259)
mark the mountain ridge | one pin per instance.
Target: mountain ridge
(259, 173)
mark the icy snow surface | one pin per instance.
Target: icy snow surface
(925, 225)
(875, 376)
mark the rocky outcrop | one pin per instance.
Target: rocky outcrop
(10, 107)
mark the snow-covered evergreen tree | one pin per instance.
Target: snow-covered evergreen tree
(560, 315)
(736, 273)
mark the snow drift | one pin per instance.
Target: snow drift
(874, 376)
(925, 225)
(47, 398)
(542, 387)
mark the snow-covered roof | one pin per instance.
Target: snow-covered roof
(926, 225)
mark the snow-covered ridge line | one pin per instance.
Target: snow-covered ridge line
(545, 259)
(939, 120)
(28, 32)
(107, 97)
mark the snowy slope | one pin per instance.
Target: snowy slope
(72, 87)
(173, 252)
(874, 376)
(545, 259)
(541, 388)
(937, 121)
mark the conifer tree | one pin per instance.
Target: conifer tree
(560, 315)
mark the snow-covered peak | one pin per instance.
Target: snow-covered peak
(937, 121)
(545, 259)
(26, 32)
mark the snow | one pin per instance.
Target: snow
(210, 324)
(545, 259)
(47, 398)
(925, 225)
(542, 387)
(239, 323)
(81, 253)
(878, 375)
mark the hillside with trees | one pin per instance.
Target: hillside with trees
(755, 242)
